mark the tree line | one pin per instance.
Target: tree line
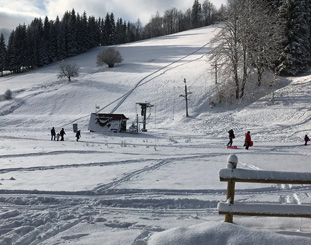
(259, 36)
(45, 41)
(295, 16)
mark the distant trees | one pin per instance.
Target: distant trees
(109, 56)
(68, 70)
(46, 41)
(176, 21)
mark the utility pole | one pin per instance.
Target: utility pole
(186, 97)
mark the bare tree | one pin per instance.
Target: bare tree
(109, 56)
(249, 41)
(227, 52)
(170, 21)
(68, 70)
(265, 42)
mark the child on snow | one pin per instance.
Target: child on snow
(78, 135)
(231, 137)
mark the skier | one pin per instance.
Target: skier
(231, 137)
(57, 136)
(78, 135)
(62, 133)
(306, 139)
(53, 133)
(248, 140)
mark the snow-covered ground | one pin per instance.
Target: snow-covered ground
(157, 187)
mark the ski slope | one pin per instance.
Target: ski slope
(158, 187)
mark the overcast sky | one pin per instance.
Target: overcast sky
(14, 12)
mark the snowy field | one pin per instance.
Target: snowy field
(157, 187)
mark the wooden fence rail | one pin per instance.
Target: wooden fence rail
(232, 175)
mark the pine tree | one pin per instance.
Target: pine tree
(47, 38)
(109, 30)
(38, 46)
(2, 54)
(113, 29)
(208, 12)
(11, 52)
(54, 31)
(72, 44)
(120, 36)
(93, 32)
(196, 14)
(308, 19)
(82, 33)
(296, 55)
(62, 39)
(20, 47)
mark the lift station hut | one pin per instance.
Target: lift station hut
(103, 123)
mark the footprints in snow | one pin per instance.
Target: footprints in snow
(283, 199)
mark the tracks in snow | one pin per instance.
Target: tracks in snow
(119, 101)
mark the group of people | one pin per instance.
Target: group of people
(247, 142)
(55, 136)
(61, 134)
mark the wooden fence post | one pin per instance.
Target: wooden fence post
(232, 163)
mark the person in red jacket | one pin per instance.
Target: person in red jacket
(248, 140)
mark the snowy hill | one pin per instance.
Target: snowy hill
(140, 189)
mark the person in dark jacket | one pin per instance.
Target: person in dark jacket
(231, 137)
(306, 139)
(53, 133)
(78, 135)
(248, 140)
(62, 133)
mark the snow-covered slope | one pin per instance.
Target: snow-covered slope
(132, 189)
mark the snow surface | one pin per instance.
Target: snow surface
(158, 187)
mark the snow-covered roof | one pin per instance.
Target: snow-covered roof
(111, 116)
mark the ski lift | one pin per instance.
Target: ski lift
(143, 113)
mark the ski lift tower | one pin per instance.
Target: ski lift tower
(144, 107)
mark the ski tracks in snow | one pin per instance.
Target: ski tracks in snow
(152, 76)
(129, 176)
(119, 101)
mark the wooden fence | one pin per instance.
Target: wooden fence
(232, 175)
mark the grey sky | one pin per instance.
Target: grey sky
(14, 12)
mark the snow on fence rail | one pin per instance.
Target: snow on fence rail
(232, 175)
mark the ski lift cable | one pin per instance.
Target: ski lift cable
(139, 83)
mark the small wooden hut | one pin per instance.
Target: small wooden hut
(103, 123)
